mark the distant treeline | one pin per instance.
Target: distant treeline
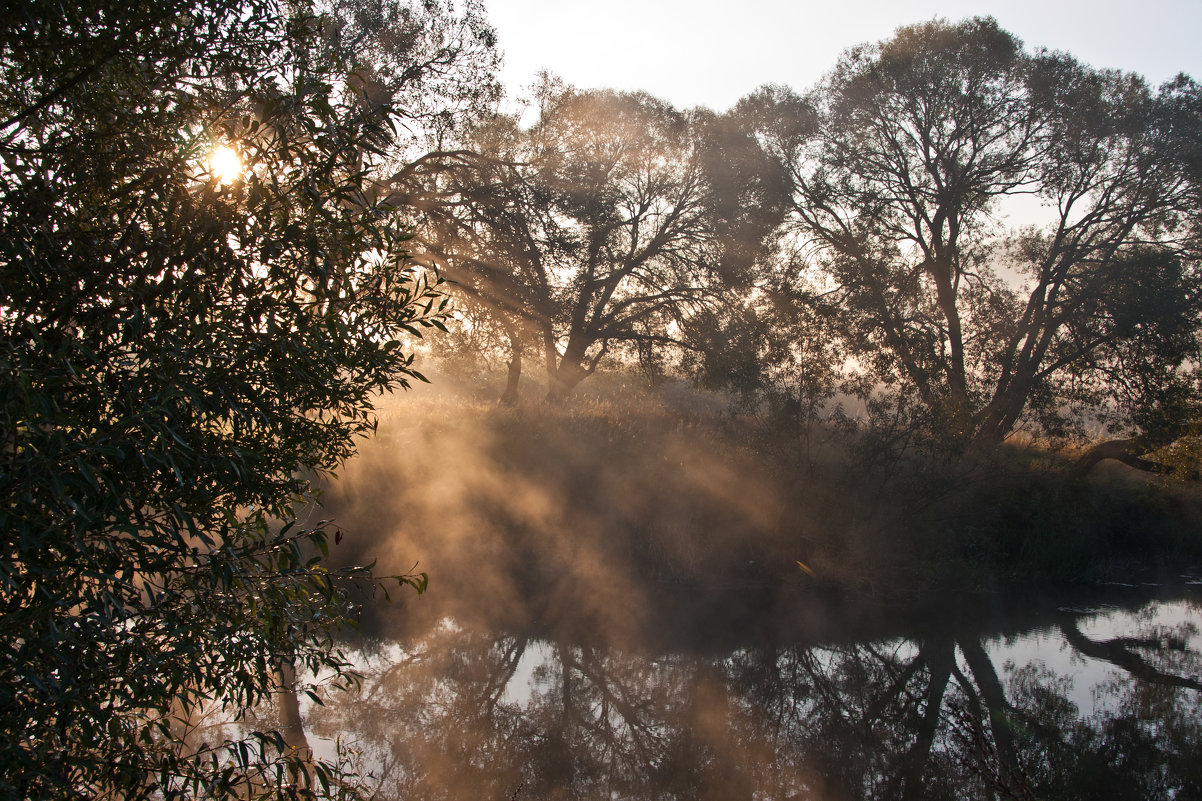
(968, 237)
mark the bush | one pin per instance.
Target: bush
(177, 348)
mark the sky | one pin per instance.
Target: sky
(711, 53)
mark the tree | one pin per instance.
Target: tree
(902, 163)
(603, 225)
(180, 350)
(431, 63)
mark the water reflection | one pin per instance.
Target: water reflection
(922, 706)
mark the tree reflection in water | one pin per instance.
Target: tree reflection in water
(468, 714)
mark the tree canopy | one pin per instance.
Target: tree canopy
(181, 349)
(602, 226)
(979, 237)
(903, 161)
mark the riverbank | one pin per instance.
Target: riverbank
(628, 502)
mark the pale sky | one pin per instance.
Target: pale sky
(712, 53)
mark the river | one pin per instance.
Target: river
(625, 606)
(982, 697)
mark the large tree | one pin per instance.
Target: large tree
(431, 62)
(603, 225)
(905, 162)
(181, 345)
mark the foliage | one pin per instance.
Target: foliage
(432, 62)
(179, 351)
(602, 226)
(902, 160)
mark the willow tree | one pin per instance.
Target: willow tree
(184, 340)
(603, 225)
(905, 162)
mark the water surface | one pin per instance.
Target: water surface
(966, 698)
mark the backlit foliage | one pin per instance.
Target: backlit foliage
(178, 355)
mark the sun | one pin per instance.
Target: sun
(225, 164)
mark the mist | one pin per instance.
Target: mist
(597, 515)
(642, 513)
(617, 604)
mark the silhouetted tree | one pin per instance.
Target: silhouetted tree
(604, 225)
(902, 161)
(432, 62)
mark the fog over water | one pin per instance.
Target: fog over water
(521, 515)
(616, 610)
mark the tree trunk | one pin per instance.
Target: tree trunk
(514, 374)
(940, 656)
(994, 696)
(292, 727)
(1129, 451)
(959, 409)
(998, 418)
(562, 380)
(563, 375)
(1118, 653)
